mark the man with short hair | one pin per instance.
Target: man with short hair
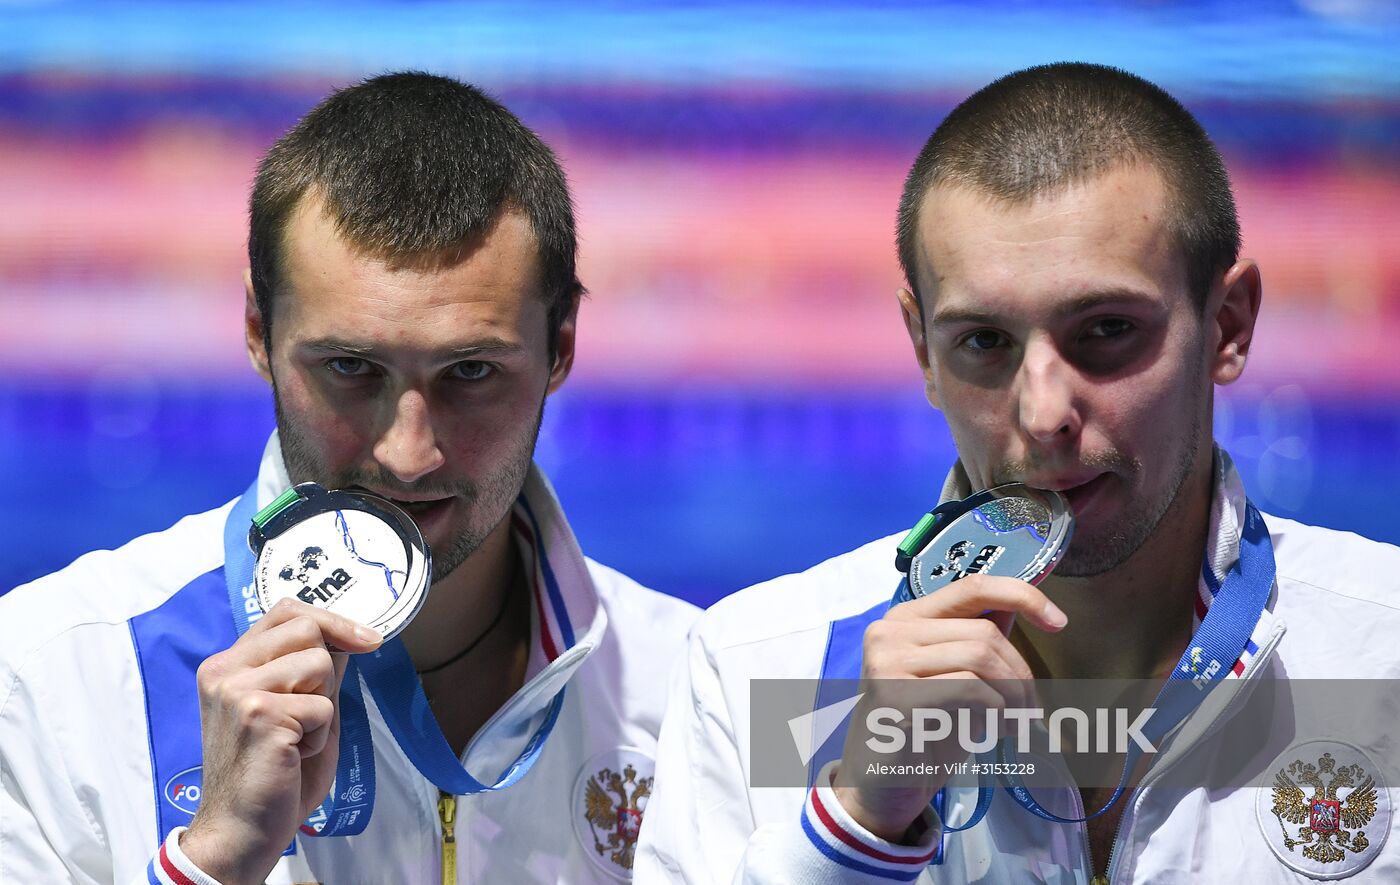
(1075, 292)
(412, 301)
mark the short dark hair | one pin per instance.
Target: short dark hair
(414, 165)
(1045, 128)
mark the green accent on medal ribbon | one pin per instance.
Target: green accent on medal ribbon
(918, 535)
(280, 503)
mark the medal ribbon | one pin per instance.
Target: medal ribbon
(1219, 641)
(388, 673)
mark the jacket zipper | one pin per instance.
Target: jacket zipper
(1107, 877)
(1130, 806)
(1084, 838)
(447, 813)
(1216, 724)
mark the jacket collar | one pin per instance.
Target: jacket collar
(1227, 515)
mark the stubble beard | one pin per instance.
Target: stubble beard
(1088, 557)
(486, 504)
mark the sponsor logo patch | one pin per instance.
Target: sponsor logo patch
(184, 789)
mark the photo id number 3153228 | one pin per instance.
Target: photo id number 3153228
(997, 768)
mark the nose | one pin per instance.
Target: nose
(1048, 411)
(408, 448)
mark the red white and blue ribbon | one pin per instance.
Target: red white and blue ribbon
(1225, 635)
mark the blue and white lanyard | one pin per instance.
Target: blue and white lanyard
(388, 672)
(1220, 639)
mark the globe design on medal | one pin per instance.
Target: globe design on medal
(1012, 530)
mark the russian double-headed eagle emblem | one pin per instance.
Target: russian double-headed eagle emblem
(1331, 825)
(614, 811)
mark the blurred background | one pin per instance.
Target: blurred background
(745, 402)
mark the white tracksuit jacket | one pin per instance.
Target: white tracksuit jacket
(1334, 614)
(96, 674)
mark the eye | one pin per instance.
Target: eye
(471, 370)
(350, 366)
(1109, 327)
(983, 340)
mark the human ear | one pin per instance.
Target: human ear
(1234, 311)
(913, 313)
(254, 338)
(564, 343)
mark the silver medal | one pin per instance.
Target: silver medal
(1012, 530)
(349, 552)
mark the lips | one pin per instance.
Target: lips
(424, 512)
(419, 506)
(1083, 496)
(409, 504)
(428, 514)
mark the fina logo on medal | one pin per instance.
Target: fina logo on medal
(1328, 813)
(609, 798)
(310, 560)
(985, 559)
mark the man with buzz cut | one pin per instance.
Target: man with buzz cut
(1075, 292)
(412, 301)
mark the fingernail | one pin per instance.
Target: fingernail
(365, 634)
(1053, 616)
